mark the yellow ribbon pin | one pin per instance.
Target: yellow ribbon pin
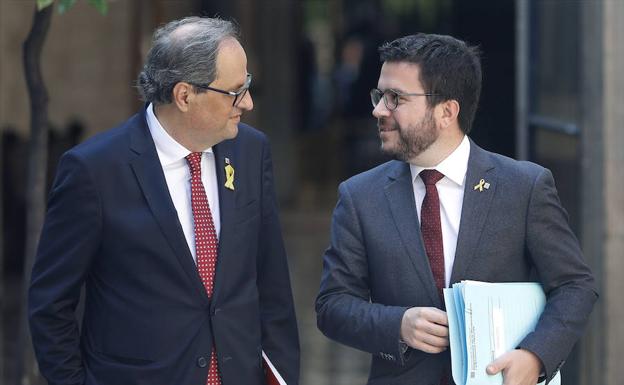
(481, 185)
(229, 175)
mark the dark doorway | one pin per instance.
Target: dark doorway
(491, 25)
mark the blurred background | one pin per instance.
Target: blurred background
(552, 89)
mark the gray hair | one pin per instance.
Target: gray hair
(183, 50)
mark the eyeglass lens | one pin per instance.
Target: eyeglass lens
(390, 98)
(243, 92)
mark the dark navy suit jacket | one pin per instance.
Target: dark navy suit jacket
(376, 266)
(112, 227)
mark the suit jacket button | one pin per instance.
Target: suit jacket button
(202, 362)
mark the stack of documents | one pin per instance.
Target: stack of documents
(271, 375)
(487, 320)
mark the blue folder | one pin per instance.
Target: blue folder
(487, 320)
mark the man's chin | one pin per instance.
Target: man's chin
(388, 149)
(232, 131)
(393, 152)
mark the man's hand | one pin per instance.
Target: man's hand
(519, 367)
(426, 329)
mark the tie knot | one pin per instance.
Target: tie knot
(431, 177)
(194, 161)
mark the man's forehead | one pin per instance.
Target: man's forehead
(401, 73)
(230, 46)
(401, 67)
(231, 63)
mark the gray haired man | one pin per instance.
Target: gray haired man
(170, 222)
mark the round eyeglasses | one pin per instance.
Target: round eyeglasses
(391, 97)
(238, 95)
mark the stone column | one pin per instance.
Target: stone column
(592, 202)
(271, 31)
(603, 183)
(613, 284)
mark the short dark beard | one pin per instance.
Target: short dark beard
(414, 140)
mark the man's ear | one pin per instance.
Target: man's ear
(181, 94)
(448, 112)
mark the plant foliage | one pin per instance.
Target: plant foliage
(65, 5)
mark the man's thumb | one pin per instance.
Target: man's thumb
(494, 367)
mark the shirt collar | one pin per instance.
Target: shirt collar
(169, 151)
(453, 167)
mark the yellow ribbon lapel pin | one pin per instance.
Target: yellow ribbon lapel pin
(482, 185)
(229, 174)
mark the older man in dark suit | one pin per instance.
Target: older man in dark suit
(170, 223)
(445, 211)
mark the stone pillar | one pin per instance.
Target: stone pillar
(613, 284)
(592, 204)
(270, 33)
(603, 183)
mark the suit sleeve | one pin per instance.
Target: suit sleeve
(280, 339)
(344, 309)
(567, 280)
(69, 239)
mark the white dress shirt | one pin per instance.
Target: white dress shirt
(172, 157)
(451, 193)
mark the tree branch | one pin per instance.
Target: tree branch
(27, 370)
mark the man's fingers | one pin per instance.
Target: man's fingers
(435, 329)
(518, 366)
(425, 347)
(425, 329)
(497, 365)
(434, 315)
(492, 369)
(428, 339)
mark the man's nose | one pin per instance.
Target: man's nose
(380, 110)
(247, 102)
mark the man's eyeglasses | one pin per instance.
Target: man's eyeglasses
(391, 97)
(238, 95)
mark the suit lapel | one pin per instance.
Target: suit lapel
(227, 197)
(149, 173)
(400, 194)
(475, 208)
(227, 203)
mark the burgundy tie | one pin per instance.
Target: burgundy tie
(431, 227)
(206, 244)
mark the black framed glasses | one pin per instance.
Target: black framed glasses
(238, 95)
(391, 97)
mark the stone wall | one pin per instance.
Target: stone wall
(90, 61)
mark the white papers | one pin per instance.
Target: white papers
(485, 321)
(273, 377)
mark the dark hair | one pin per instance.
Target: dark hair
(183, 50)
(449, 68)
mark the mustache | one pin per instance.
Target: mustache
(385, 123)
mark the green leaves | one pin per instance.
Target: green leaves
(41, 4)
(65, 5)
(100, 5)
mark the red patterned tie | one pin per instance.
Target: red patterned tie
(431, 227)
(206, 244)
